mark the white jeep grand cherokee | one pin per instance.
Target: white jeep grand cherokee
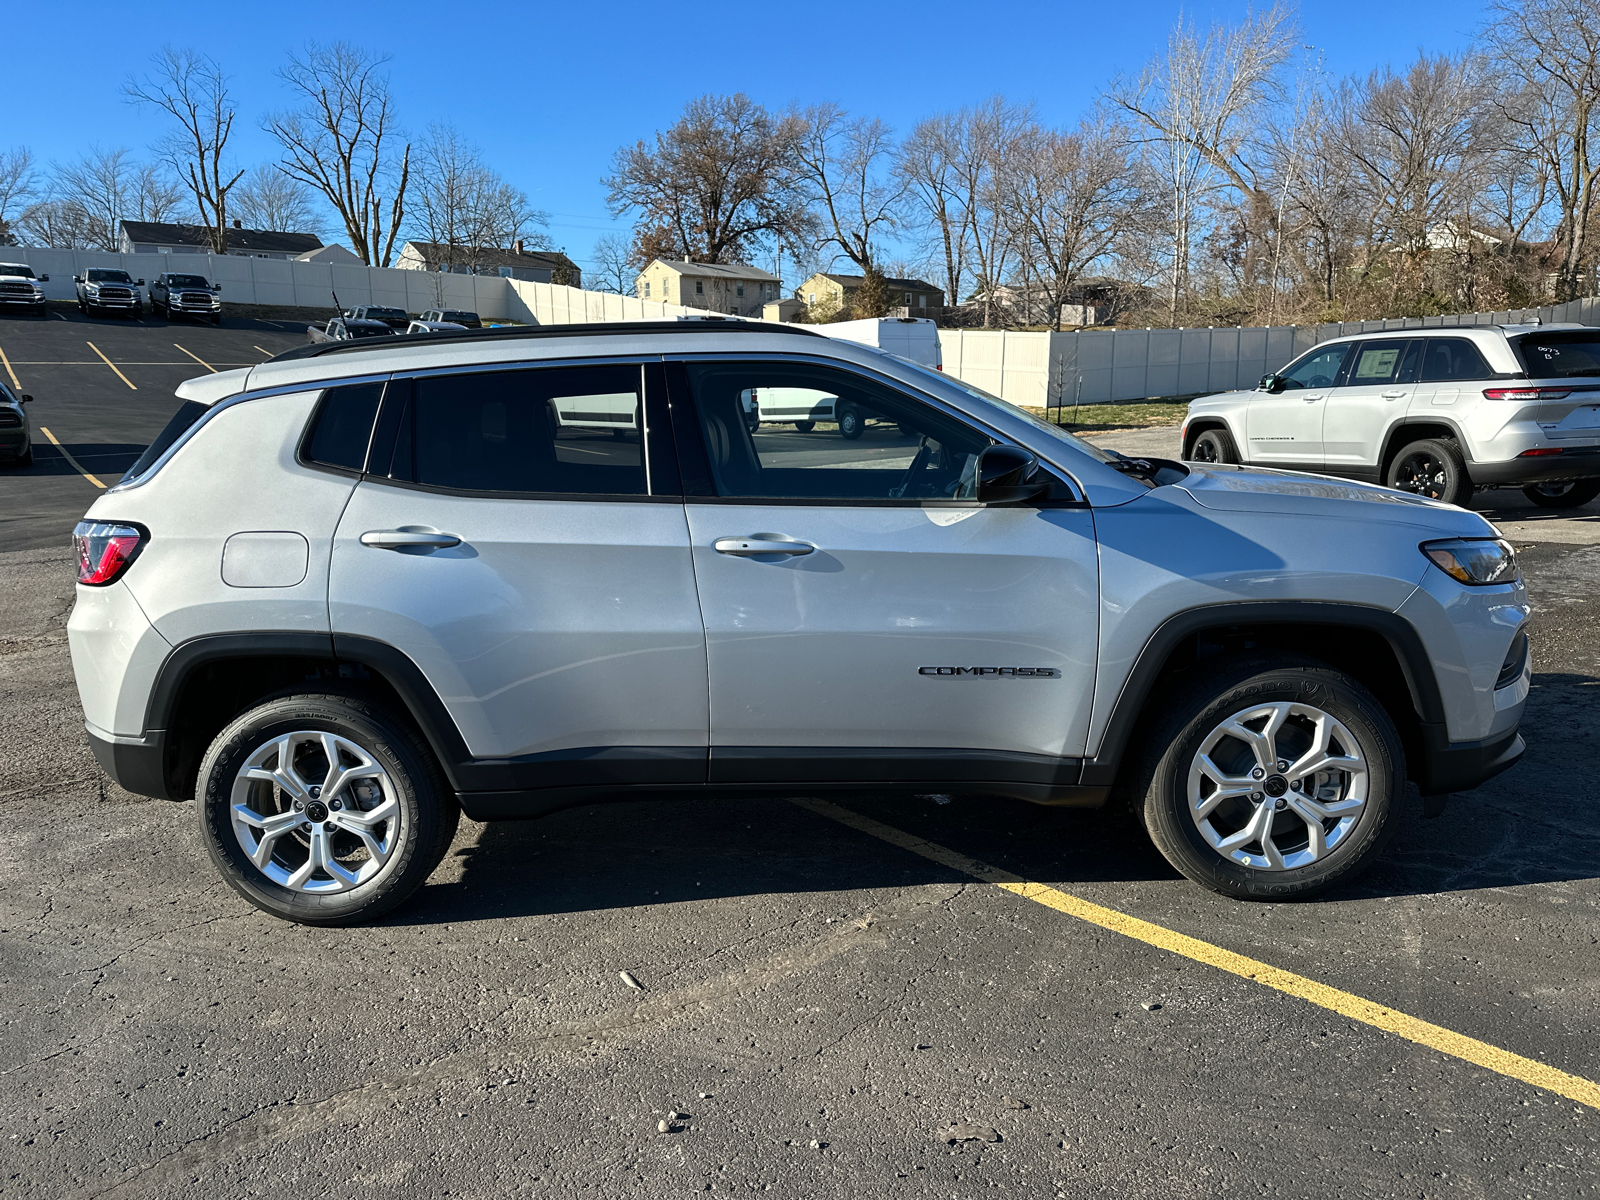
(1438, 412)
(364, 587)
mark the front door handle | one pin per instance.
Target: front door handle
(1393, 395)
(409, 537)
(1312, 399)
(756, 544)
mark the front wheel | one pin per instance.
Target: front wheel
(1213, 446)
(323, 809)
(1571, 494)
(1274, 779)
(851, 426)
(1432, 467)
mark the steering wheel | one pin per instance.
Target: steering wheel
(918, 461)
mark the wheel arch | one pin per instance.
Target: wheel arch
(1414, 429)
(1200, 424)
(1375, 646)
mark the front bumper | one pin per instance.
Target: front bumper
(113, 302)
(1574, 462)
(22, 301)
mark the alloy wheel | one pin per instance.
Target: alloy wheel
(1422, 474)
(315, 812)
(1277, 786)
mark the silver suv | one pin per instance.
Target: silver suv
(1438, 412)
(366, 586)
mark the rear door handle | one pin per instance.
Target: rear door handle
(409, 536)
(756, 544)
(1393, 395)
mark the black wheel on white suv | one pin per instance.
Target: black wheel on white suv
(1272, 778)
(1432, 467)
(1571, 494)
(323, 809)
(1214, 446)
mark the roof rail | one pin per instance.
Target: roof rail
(512, 332)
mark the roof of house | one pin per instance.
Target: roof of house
(328, 254)
(491, 256)
(269, 241)
(725, 270)
(852, 281)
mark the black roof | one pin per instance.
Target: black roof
(507, 332)
(158, 233)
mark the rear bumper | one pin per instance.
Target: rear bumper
(1448, 766)
(1574, 462)
(137, 764)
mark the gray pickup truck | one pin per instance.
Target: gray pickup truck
(174, 294)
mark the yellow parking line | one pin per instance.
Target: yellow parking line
(76, 465)
(1346, 1004)
(111, 364)
(198, 359)
(268, 353)
(15, 382)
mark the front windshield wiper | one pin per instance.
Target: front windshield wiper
(1138, 467)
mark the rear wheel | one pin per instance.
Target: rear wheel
(1270, 779)
(804, 426)
(1432, 467)
(851, 426)
(323, 809)
(1570, 494)
(1213, 446)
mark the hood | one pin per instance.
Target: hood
(1255, 489)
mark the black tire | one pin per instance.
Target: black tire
(1159, 783)
(1214, 446)
(426, 810)
(851, 424)
(1432, 467)
(805, 426)
(1571, 494)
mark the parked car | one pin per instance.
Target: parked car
(176, 294)
(395, 318)
(16, 434)
(468, 320)
(362, 587)
(106, 289)
(1437, 412)
(434, 327)
(347, 329)
(19, 288)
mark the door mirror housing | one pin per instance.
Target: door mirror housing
(1006, 476)
(138, 283)
(26, 399)
(77, 279)
(44, 279)
(1271, 384)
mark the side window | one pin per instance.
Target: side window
(573, 431)
(1316, 370)
(1375, 363)
(1411, 364)
(1449, 360)
(342, 427)
(901, 449)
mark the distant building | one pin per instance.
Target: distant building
(732, 288)
(786, 309)
(839, 291)
(156, 237)
(535, 266)
(330, 254)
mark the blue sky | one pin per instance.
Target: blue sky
(549, 91)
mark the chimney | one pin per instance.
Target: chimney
(237, 223)
(516, 246)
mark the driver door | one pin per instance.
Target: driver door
(866, 619)
(1285, 428)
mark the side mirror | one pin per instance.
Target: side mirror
(44, 279)
(77, 279)
(216, 287)
(138, 283)
(26, 399)
(1271, 384)
(1005, 476)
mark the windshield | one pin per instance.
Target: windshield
(1050, 429)
(16, 269)
(198, 281)
(103, 275)
(1560, 355)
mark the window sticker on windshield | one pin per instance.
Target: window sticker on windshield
(1377, 364)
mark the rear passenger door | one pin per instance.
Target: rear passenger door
(535, 565)
(1446, 366)
(1371, 398)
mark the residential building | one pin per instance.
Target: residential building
(732, 288)
(536, 266)
(838, 292)
(330, 254)
(157, 237)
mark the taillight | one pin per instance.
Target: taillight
(1527, 393)
(105, 550)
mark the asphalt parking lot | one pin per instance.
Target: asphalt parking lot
(826, 988)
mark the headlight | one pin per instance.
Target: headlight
(1474, 561)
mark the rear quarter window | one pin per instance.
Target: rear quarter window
(188, 413)
(341, 427)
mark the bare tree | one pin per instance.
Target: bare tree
(987, 137)
(57, 224)
(714, 187)
(845, 166)
(192, 89)
(267, 198)
(19, 181)
(340, 141)
(1200, 104)
(927, 163)
(615, 266)
(462, 204)
(94, 195)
